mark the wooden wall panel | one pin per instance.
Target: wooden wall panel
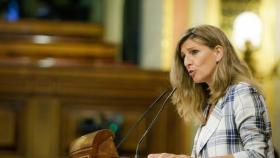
(8, 126)
(57, 99)
(12, 134)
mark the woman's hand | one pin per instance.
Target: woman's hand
(167, 155)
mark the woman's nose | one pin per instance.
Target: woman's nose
(187, 61)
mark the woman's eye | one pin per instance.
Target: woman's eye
(193, 52)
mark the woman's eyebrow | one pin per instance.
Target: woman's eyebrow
(191, 48)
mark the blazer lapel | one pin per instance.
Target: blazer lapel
(210, 127)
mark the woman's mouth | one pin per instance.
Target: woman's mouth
(191, 73)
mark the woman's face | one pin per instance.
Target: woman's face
(200, 60)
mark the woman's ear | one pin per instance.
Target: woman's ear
(219, 53)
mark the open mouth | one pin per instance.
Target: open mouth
(191, 73)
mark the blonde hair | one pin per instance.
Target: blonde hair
(192, 98)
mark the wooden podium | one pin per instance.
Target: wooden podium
(98, 144)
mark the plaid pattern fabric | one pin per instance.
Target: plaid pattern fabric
(239, 125)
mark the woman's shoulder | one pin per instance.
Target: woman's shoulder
(242, 92)
(242, 87)
(239, 90)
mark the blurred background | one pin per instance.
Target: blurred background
(70, 67)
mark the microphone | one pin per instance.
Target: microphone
(153, 122)
(151, 106)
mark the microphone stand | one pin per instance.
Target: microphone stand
(141, 118)
(152, 123)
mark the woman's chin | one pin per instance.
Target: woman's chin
(196, 80)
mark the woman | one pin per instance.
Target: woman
(216, 89)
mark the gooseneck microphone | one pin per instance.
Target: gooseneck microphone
(151, 106)
(153, 122)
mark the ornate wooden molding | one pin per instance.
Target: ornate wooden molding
(119, 82)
